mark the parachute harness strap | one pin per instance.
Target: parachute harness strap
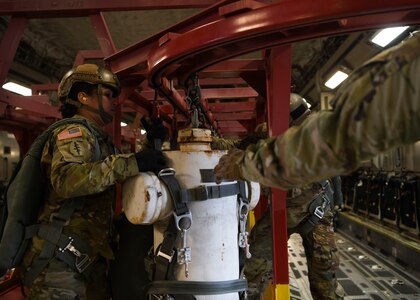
(164, 285)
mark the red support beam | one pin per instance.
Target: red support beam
(136, 56)
(37, 88)
(108, 47)
(278, 91)
(232, 106)
(228, 93)
(9, 45)
(102, 33)
(279, 23)
(212, 93)
(83, 55)
(220, 81)
(230, 124)
(134, 107)
(80, 8)
(225, 130)
(233, 67)
(145, 106)
(38, 105)
(232, 116)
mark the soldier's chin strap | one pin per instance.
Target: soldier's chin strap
(106, 118)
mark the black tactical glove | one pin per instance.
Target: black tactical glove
(151, 160)
(155, 129)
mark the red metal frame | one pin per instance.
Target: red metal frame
(269, 26)
(204, 43)
(83, 8)
(9, 44)
(278, 101)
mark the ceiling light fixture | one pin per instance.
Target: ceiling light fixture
(385, 36)
(17, 88)
(123, 124)
(336, 79)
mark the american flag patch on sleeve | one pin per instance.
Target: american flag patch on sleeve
(69, 133)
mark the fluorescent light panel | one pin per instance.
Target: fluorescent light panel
(387, 35)
(17, 88)
(336, 79)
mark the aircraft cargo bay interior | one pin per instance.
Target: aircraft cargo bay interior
(215, 79)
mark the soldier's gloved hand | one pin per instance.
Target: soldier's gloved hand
(154, 128)
(151, 160)
(229, 166)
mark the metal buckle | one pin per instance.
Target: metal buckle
(167, 172)
(165, 256)
(202, 193)
(82, 260)
(319, 212)
(185, 220)
(68, 246)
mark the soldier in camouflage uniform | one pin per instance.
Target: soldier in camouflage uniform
(377, 108)
(74, 172)
(316, 231)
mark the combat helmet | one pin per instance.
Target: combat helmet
(94, 75)
(299, 109)
(89, 73)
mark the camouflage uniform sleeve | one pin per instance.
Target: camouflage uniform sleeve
(223, 144)
(73, 171)
(376, 109)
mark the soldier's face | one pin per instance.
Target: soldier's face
(108, 105)
(108, 101)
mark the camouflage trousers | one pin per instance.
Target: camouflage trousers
(321, 253)
(59, 281)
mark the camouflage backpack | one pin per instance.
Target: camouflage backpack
(24, 197)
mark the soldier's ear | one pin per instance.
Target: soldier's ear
(82, 97)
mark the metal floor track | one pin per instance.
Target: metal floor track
(364, 273)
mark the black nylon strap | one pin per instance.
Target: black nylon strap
(165, 253)
(52, 238)
(62, 252)
(203, 192)
(174, 188)
(197, 287)
(242, 189)
(317, 209)
(207, 175)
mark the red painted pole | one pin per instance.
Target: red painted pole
(278, 98)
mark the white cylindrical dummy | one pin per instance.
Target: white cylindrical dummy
(213, 235)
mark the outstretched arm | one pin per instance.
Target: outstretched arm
(376, 109)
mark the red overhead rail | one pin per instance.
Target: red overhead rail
(83, 8)
(268, 26)
(135, 56)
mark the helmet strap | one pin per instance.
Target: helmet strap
(79, 104)
(106, 118)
